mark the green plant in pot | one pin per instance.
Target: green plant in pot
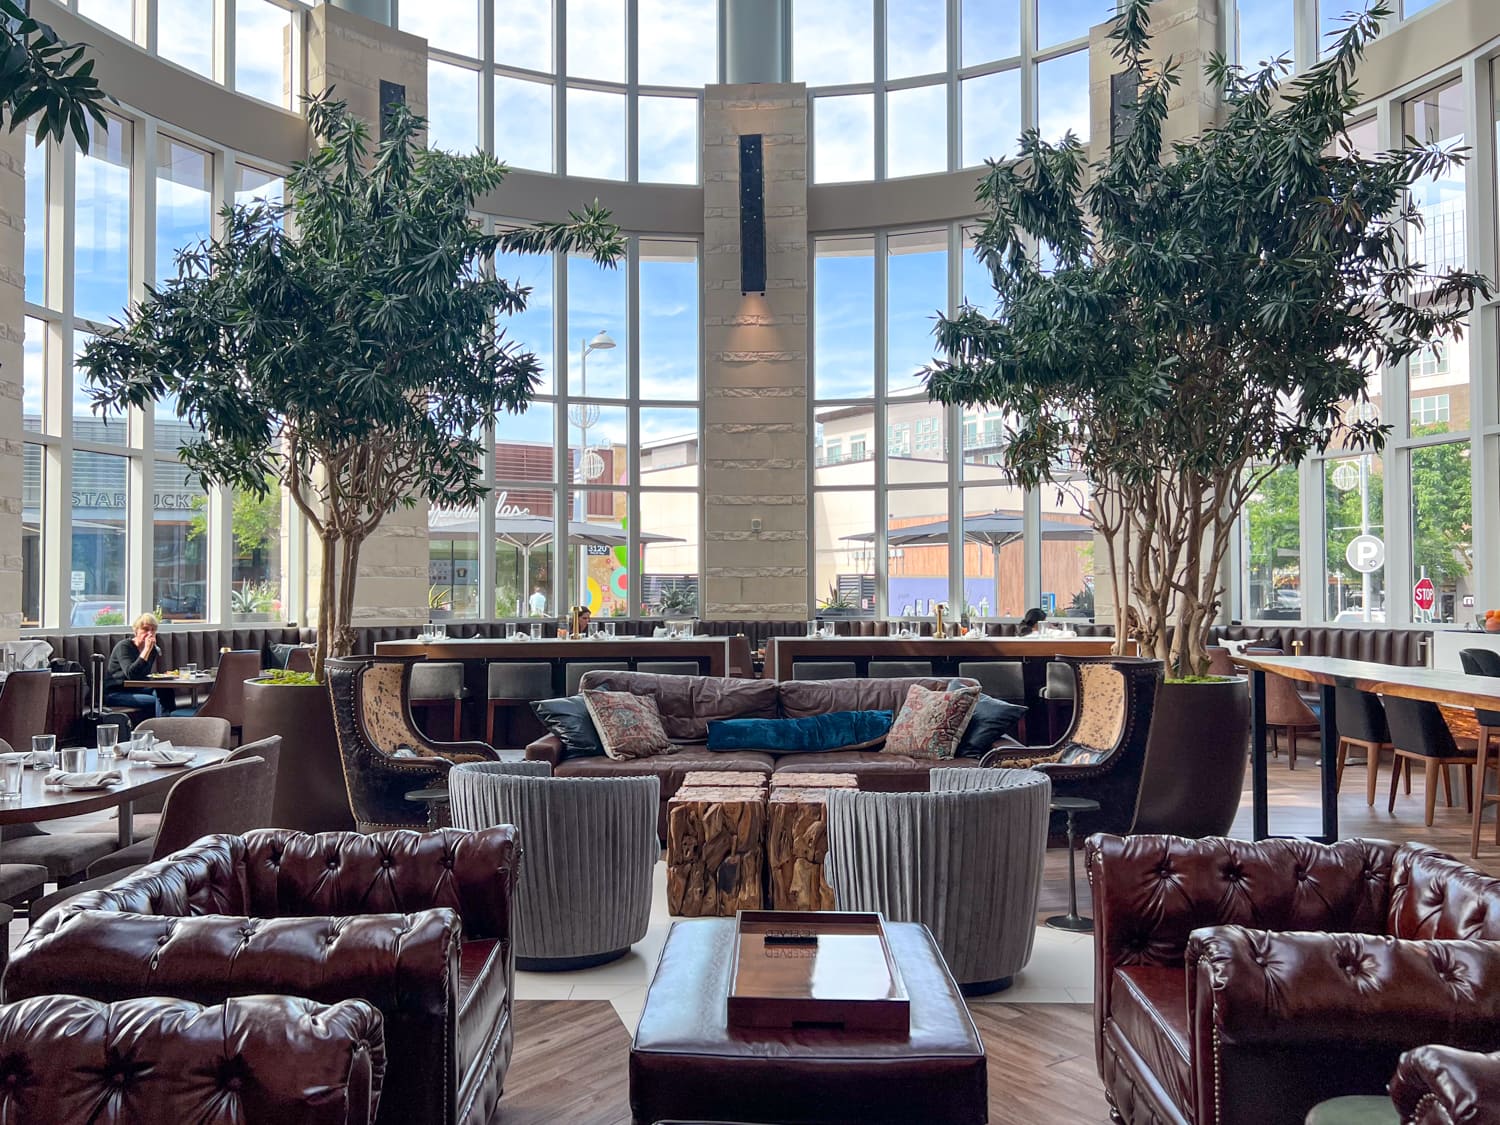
(837, 603)
(677, 601)
(342, 345)
(1207, 314)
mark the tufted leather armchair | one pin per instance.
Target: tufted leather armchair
(64, 1060)
(418, 924)
(1241, 983)
(1102, 754)
(385, 756)
(1445, 1086)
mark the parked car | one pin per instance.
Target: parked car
(1356, 616)
(86, 611)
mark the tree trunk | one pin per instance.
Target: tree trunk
(326, 606)
(343, 627)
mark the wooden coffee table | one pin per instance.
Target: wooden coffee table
(686, 1064)
(797, 838)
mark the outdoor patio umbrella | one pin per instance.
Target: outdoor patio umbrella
(991, 529)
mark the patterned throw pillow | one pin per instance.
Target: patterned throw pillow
(629, 725)
(931, 723)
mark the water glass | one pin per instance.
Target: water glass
(43, 746)
(189, 669)
(10, 777)
(536, 630)
(73, 760)
(510, 630)
(593, 629)
(109, 738)
(146, 739)
(609, 630)
(812, 629)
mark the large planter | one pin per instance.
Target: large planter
(1195, 758)
(310, 791)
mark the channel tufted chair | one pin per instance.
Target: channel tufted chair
(1102, 754)
(1445, 1086)
(385, 756)
(1243, 983)
(417, 924)
(66, 1060)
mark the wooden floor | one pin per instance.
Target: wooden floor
(571, 1056)
(569, 1066)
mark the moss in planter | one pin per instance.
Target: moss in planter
(1199, 679)
(282, 676)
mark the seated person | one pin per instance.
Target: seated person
(1031, 622)
(135, 658)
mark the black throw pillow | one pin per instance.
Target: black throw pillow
(991, 721)
(569, 719)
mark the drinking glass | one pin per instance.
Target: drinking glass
(188, 669)
(10, 777)
(43, 746)
(536, 630)
(510, 630)
(146, 740)
(609, 629)
(109, 738)
(73, 760)
(812, 629)
(593, 629)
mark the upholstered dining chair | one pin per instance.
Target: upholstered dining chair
(180, 730)
(584, 893)
(226, 699)
(1102, 754)
(1420, 734)
(1287, 711)
(1484, 662)
(1362, 725)
(384, 754)
(964, 859)
(25, 702)
(439, 684)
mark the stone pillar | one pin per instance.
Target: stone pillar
(755, 436)
(354, 54)
(12, 328)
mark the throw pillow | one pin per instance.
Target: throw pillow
(837, 730)
(931, 723)
(629, 725)
(569, 719)
(993, 719)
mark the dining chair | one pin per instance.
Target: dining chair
(226, 699)
(180, 730)
(233, 797)
(1483, 662)
(439, 684)
(511, 686)
(1419, 733)
(25, 703)
(1361, 723)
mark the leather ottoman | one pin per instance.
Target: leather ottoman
(687, 1064)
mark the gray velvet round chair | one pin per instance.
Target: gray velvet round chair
(964, 859)
(589, 846)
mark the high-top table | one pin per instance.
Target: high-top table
(783, 652)
(1453, 689)
(711, 653)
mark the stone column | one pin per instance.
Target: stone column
(12, 329)
(354, 54)
(755, 422)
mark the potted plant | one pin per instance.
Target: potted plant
(837, 603)
(677, 601)
(1206, 316)
(341, 345)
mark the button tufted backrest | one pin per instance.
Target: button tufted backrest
(1434, 896)
(292, 874)
(1155, 890)
(65, 1060)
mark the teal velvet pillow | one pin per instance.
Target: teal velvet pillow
(838, 730)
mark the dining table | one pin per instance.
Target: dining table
(1445, 688)
(39, 802)
(193, 681)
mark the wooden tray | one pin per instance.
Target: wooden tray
(848, 980)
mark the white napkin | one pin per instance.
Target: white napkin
(139, 752)
(162, 755)
(87, 780)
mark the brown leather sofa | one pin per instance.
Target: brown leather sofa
(418, 924)
(688, 703)
(1446, 1086)
(66, 1060)
(1243, 983)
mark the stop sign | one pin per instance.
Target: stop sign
(1424, 593)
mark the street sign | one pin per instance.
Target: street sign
(1365, 553)
(1424, 594)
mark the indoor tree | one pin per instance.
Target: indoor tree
(344, 343)
(45, 79)
(1207, 313)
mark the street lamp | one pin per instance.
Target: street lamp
(584, 415)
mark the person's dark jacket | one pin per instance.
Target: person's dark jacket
(126, 663)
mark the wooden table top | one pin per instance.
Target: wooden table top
(1456, 689)
(494, 648)
(197, 679)
(139, 779)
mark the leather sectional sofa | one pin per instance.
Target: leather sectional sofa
(417, 924)
(688, 703)
(1244, 983)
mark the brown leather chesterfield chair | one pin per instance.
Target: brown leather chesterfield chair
(1210, 1009)
(418, 924)
(1446, 1086)
(66, 1060)
(1102, 754)
(385, 756)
